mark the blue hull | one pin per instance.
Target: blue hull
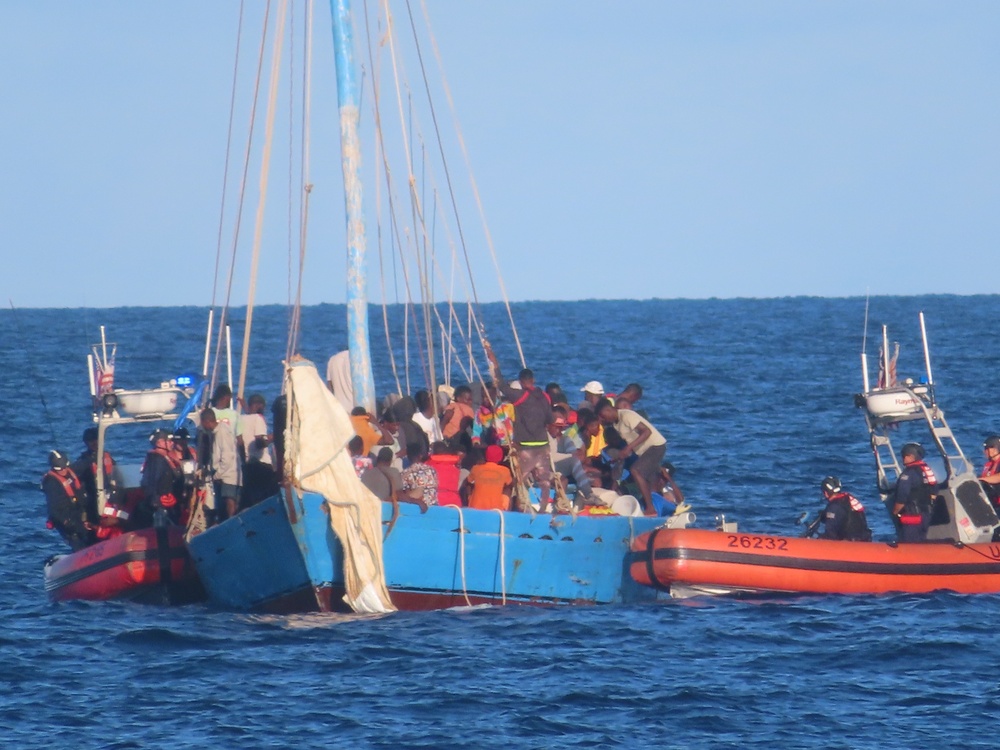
(282, 556)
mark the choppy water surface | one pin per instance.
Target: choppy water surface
(755, 397)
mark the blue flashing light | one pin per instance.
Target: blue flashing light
(185, 381)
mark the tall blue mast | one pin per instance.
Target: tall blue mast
(350, 148)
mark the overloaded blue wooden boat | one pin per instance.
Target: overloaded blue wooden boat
(282, 556)
(326, 543)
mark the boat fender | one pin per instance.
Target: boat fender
(650, 570)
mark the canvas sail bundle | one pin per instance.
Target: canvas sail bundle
(318, 432)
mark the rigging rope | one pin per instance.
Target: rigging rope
(378, 212)
(265, 166)
(293, 336)
(225, 168)
(239, 211)
(472, 179)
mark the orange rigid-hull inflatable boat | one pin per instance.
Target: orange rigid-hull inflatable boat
(127, 567)
(696, 561)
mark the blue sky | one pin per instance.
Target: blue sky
(622, 150)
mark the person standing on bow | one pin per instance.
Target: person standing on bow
(844, 516)
(914, 495)
(990, 476)
(532, 416)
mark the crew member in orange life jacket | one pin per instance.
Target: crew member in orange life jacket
(844, 516)
(990, 476)
(914, 496)
(66, 502)
(160, 473)
(85, 467)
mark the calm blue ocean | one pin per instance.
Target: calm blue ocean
(755, 397)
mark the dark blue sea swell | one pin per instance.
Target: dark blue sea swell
(755, 397)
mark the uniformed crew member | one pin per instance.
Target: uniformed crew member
(914, 495)
(990, 476)
(844, 515)
(66, 502)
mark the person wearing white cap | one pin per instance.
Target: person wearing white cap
(592, 393)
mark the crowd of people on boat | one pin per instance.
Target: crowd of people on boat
(517, 447)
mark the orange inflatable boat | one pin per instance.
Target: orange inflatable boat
(696, 561)
(150, 565)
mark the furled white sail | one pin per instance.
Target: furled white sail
(318, 433)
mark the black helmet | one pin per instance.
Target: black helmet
(58, 460)
(993, 441)
(89, 434)
(159, 434)
(181, 434)
(830, 484)
(912, 449)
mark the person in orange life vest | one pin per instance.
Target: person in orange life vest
(532, 415)
(490, 482)
(914, 495)
(445, 462)
(458, 415)
(160, 473)
(66, 502)
(990, 476)
(108, 523)
(844, 515)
